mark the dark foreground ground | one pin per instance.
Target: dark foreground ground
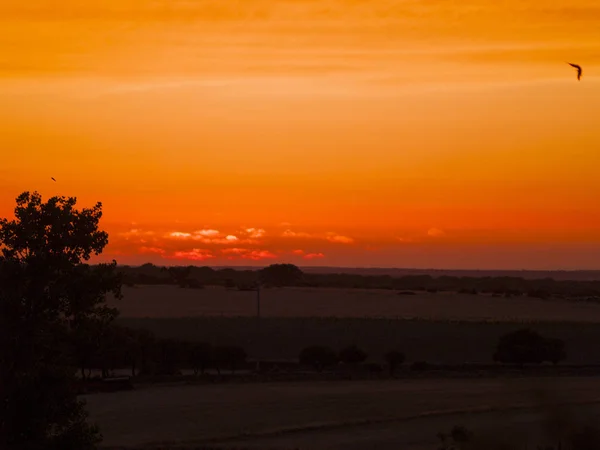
(331, 415)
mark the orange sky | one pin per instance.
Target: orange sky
(414, 133)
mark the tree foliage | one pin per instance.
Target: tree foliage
(318, 357)
(394, 359)
(281, 275)
(47, 294)
(526, 346)
(352, 355)
(201, 357)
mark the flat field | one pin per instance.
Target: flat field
(322, 415)
(391, 414)
(173, 302)
(438, 328)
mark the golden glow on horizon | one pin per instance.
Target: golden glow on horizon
(381, 132)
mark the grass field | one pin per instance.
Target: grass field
(438, 328)
(318, 415)
(174, 302)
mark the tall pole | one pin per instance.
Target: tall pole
(257, 320)
(258, 300)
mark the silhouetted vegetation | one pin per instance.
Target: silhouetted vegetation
(571, 436)
(50, 299)
(352, 355)
(201, 357)
(394, 359)
(280, 275)
(458, 438)
(231, 357)
(526, 346)
(318, 357)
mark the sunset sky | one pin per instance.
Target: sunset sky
(406, 133)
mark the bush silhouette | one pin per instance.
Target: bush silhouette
(318, 357)
(394, 359)
(231, 357)
(526, 346)
(201, 357)
(352, 355)
(281, 275)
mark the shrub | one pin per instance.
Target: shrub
(394, 359)
(352, 355)
(229, 356)
(526, 346)
(318, 357)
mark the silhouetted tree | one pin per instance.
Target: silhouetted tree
(457, 439)
(170, 354)
(352, 355)
(555, 351)
(130, 348)
(374, 368)
(229, 356)
(146, 347)
(281, 275)
(179, 274)
(394, 359)
(526, 346)
(201, 357)
(116, 349)
(45, 290)
(318, 357)
(87, 338)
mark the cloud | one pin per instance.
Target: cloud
(209, 236)
(179, 235)
(332, 237)
(314, 256)
(207, 233)
(298, 252)
(245, 253)
(135, 232)
(294, 234)
(234, 251)
(195, 254)
(156, 250)
(257, 255)
(255, 232)
(435, 232)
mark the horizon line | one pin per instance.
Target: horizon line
(256, 267)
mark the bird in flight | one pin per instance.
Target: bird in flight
(578, 70)
(53, 179)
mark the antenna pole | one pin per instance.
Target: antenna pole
(258, 300)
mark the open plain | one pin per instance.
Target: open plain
(446, 328)
(323, 415)
(167, 301)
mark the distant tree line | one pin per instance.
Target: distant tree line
(105, 349)
(280, 275)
